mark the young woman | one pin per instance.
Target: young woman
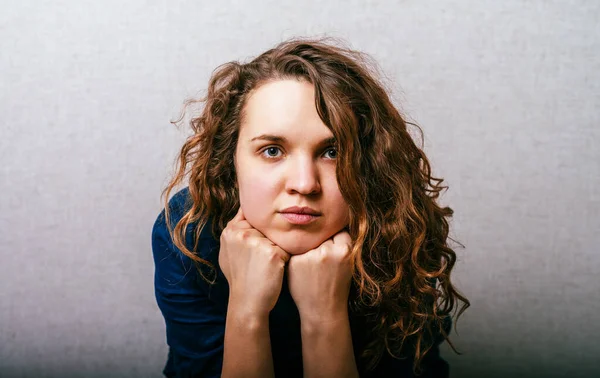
(308, 241)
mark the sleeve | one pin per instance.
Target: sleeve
(195, 326)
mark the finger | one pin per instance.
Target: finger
(239, 216)
(342, 237)
(284, 255)
(236, 218)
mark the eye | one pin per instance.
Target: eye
(333, 153)
(271, 152)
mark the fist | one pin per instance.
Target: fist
(253, 266)
(320, 279)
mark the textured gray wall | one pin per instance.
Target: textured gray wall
(507, 93)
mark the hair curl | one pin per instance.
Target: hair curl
(399, 231)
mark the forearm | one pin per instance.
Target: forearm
(247, 350)
(327, 347)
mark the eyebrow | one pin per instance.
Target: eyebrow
(283, 140)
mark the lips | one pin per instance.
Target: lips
(300, 215)
(296, 218)
(301, 210)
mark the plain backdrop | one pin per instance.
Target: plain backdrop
(507, 93)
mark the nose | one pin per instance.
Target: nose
(303, 177)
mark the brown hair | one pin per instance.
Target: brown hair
(399, 231)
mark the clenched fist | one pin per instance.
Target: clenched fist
(253, 265)
(320, 279)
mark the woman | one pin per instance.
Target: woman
(308, 241)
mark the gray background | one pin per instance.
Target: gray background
(507, 93)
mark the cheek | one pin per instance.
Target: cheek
(256, 191)
(339, 208)
(343, 212)
(256, 187)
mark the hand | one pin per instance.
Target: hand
(253, 265)
(319, 280)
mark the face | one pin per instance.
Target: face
(285, 157)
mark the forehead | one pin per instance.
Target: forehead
(283, 107)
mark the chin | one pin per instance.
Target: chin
(295, 244)
(296, 250)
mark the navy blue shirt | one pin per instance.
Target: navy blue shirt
(195, 312)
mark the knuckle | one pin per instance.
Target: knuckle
(225, 234)
(253, 243)
(273, 253)
(343, 249)
(231, 224)
(244, 235)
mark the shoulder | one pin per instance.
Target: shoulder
(179, 204)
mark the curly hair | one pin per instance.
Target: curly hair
(399, 232)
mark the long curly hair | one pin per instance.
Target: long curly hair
(401, 256)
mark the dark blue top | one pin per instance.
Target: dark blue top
(195, 311)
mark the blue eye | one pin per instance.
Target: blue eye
(271, 152)
(334, 153)
(274, 152)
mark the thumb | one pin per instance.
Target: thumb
(239, 216)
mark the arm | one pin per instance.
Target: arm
(195, 325)
(319, 282)
(203, 341)
(247, 345)
(327, 347)
(254, 268)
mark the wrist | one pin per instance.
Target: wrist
(322, 323)
(241, 312)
